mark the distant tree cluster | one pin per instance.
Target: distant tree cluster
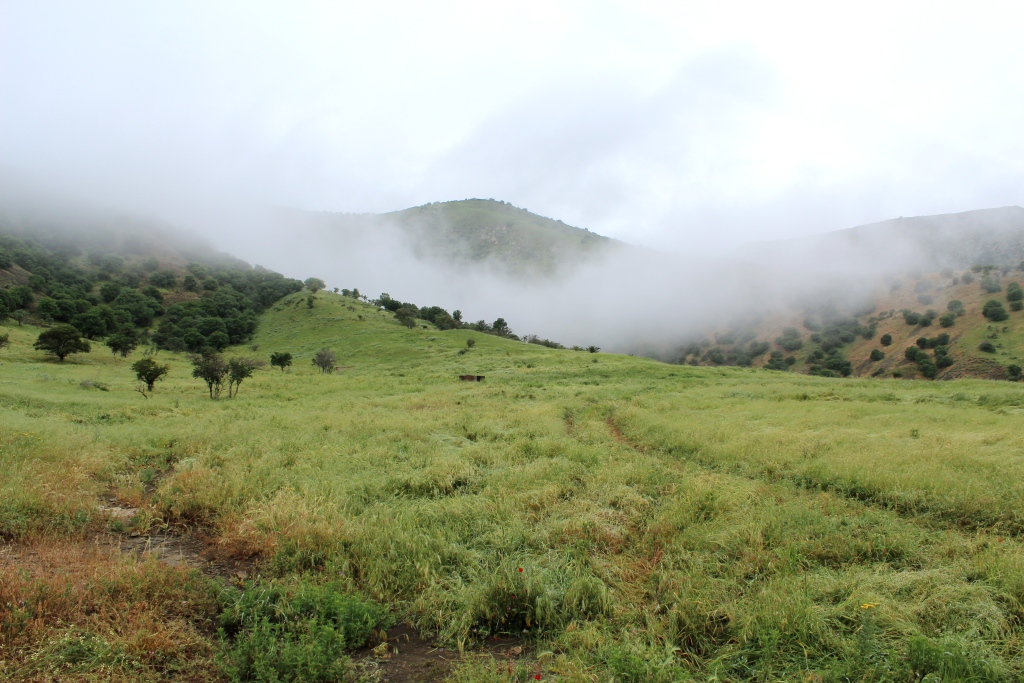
(1015, 296)
(104, 297)
(920, 319)
(994, 311)
(930, 365)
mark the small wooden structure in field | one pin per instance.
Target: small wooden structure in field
(471, 378)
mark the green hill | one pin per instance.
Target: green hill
(469, 231)
(614, 517)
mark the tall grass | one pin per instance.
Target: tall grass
(630, 520)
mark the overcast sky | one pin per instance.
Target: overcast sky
(668, 124)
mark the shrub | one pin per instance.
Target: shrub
(947, 320)
(994, 311)
(273, 633)
(927, 366)
(967, 278)
(325, 360)
(990, 284)
(1014, 292)
(911, 353)
(885, 339)
(148, 371)
(956, 307)
(877, 355)
(922, 342)
(313, 284)
(943, 361)
(1016, 305)
(987, 347)
(911, 318)
(1013, 372)
(790, 339)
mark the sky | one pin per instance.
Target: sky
(679, 125)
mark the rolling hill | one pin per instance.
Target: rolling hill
(458, 233)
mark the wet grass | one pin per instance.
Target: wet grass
(630, 520)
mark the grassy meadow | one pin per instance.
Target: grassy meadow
(624, 519)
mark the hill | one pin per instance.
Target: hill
(957, 240)
(574, 516)
(465, 232)
(831, 338)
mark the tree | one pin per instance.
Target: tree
(211, 368)
(314, 284)
(885, 339)
(20, 316)
(148, 371)
(501, 328)
(240, 369)
(1013, 372)
(994, 311)
(947, 320)
(309, 301)
(61, 341)
(324, 359)
(5, 341)
(877, 355)
(406, 315)
(124, 342)
(280, 360)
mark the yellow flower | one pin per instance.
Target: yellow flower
(868, 605)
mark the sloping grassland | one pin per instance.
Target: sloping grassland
(624, 519)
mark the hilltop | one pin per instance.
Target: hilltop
(471, 231)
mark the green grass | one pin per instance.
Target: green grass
(633, 521)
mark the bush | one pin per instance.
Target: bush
(956, 307)
(1014, 292)
(1016, 305)
(947, 320)
(922, 342)
(790, 339)
(280, 634)
(1013, 372)
(967, 278)
(911, 318)
(912, 352)
(927, 366)
(987, 347)
(994, 311)
(877, 355)
(885, 339)
(990, 284)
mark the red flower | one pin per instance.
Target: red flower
(520, 569)
(537, 677)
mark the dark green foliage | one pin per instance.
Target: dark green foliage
(790, 339)
(1014, 292)
(275, 633)
(994, 311)
(123, 342)
(911, 318)
(922, 342)
(5, 341)
(280, 360)
(310, 300)
(314, 284)
(210, 367)
(912, 352)
(956, 307)
(210, 285)
(406, 314)
(1017, 305)
(109, 291)
(990, 284)
(61, 341)
(927, 366)
(148, 371)
(217, 319)
(501, 328)
(1013, 372)
(776, 361)
(20, 296)
(947, 320)
(470, 343)
(99, 321)
(885, 339)
(593, 349)
(758, 348)
(189, 283)
(715, 356)
(534, 339)
(877, 355)
(165, 278)
(325, 360)
(987, 347)
(943, 361)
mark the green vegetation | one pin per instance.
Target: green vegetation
(622, 518)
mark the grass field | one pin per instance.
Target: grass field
(624, 519)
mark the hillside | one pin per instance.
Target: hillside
(818, 333)
(471, 231)
(574, 516)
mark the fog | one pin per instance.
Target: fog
(687, 131)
